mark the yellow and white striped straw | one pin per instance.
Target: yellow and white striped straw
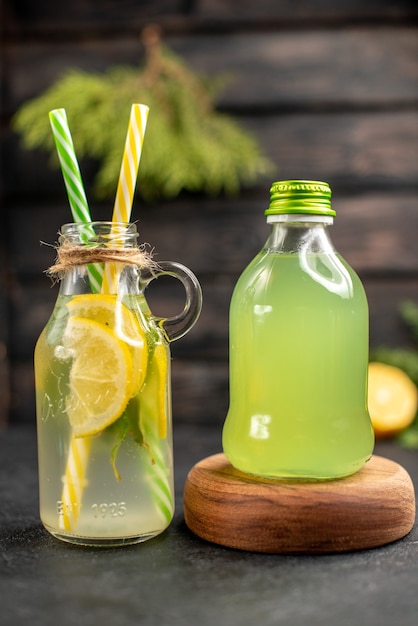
(158, 475)
(127, 180)
(74, 482)
(130, 163)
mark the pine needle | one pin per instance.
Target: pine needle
(189, 145)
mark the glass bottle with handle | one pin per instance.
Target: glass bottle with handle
(103, 390)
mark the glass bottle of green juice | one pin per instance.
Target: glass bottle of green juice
(298, 349)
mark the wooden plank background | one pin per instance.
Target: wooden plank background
(330, 91)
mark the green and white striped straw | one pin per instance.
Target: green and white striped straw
(73, 182)
(78, 451)
(158, 472)
(158, 479)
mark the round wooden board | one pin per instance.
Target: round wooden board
(368, 509)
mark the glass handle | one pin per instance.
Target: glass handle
(178, 326)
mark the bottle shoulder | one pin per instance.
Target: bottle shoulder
(304, 272)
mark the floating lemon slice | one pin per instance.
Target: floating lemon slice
(100, 375)
(392, 399)
(112, 313)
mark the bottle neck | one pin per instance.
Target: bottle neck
(99, 234)
(296, 233)
(96, 257)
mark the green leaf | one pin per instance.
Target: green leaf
(119, 430)
(409, 312)
(406, 360)
(409, 437)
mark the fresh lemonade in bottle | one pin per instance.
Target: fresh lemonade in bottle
(84, 379)
(103, 395)
(298, 349)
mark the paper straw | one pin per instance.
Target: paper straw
(127, 180)
(74, 481)
(73, 181)
(78, 453)
(157, 475)
(154, 400)
(130, 163)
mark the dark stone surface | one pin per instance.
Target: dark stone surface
(177, 579)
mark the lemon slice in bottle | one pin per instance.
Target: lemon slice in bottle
(100, 375)
(112, 313)
(392, 399)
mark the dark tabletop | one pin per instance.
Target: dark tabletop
(178, 579)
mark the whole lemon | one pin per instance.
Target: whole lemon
(392, 399)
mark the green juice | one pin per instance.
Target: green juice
(298, 368)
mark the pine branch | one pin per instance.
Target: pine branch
(189, 145)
